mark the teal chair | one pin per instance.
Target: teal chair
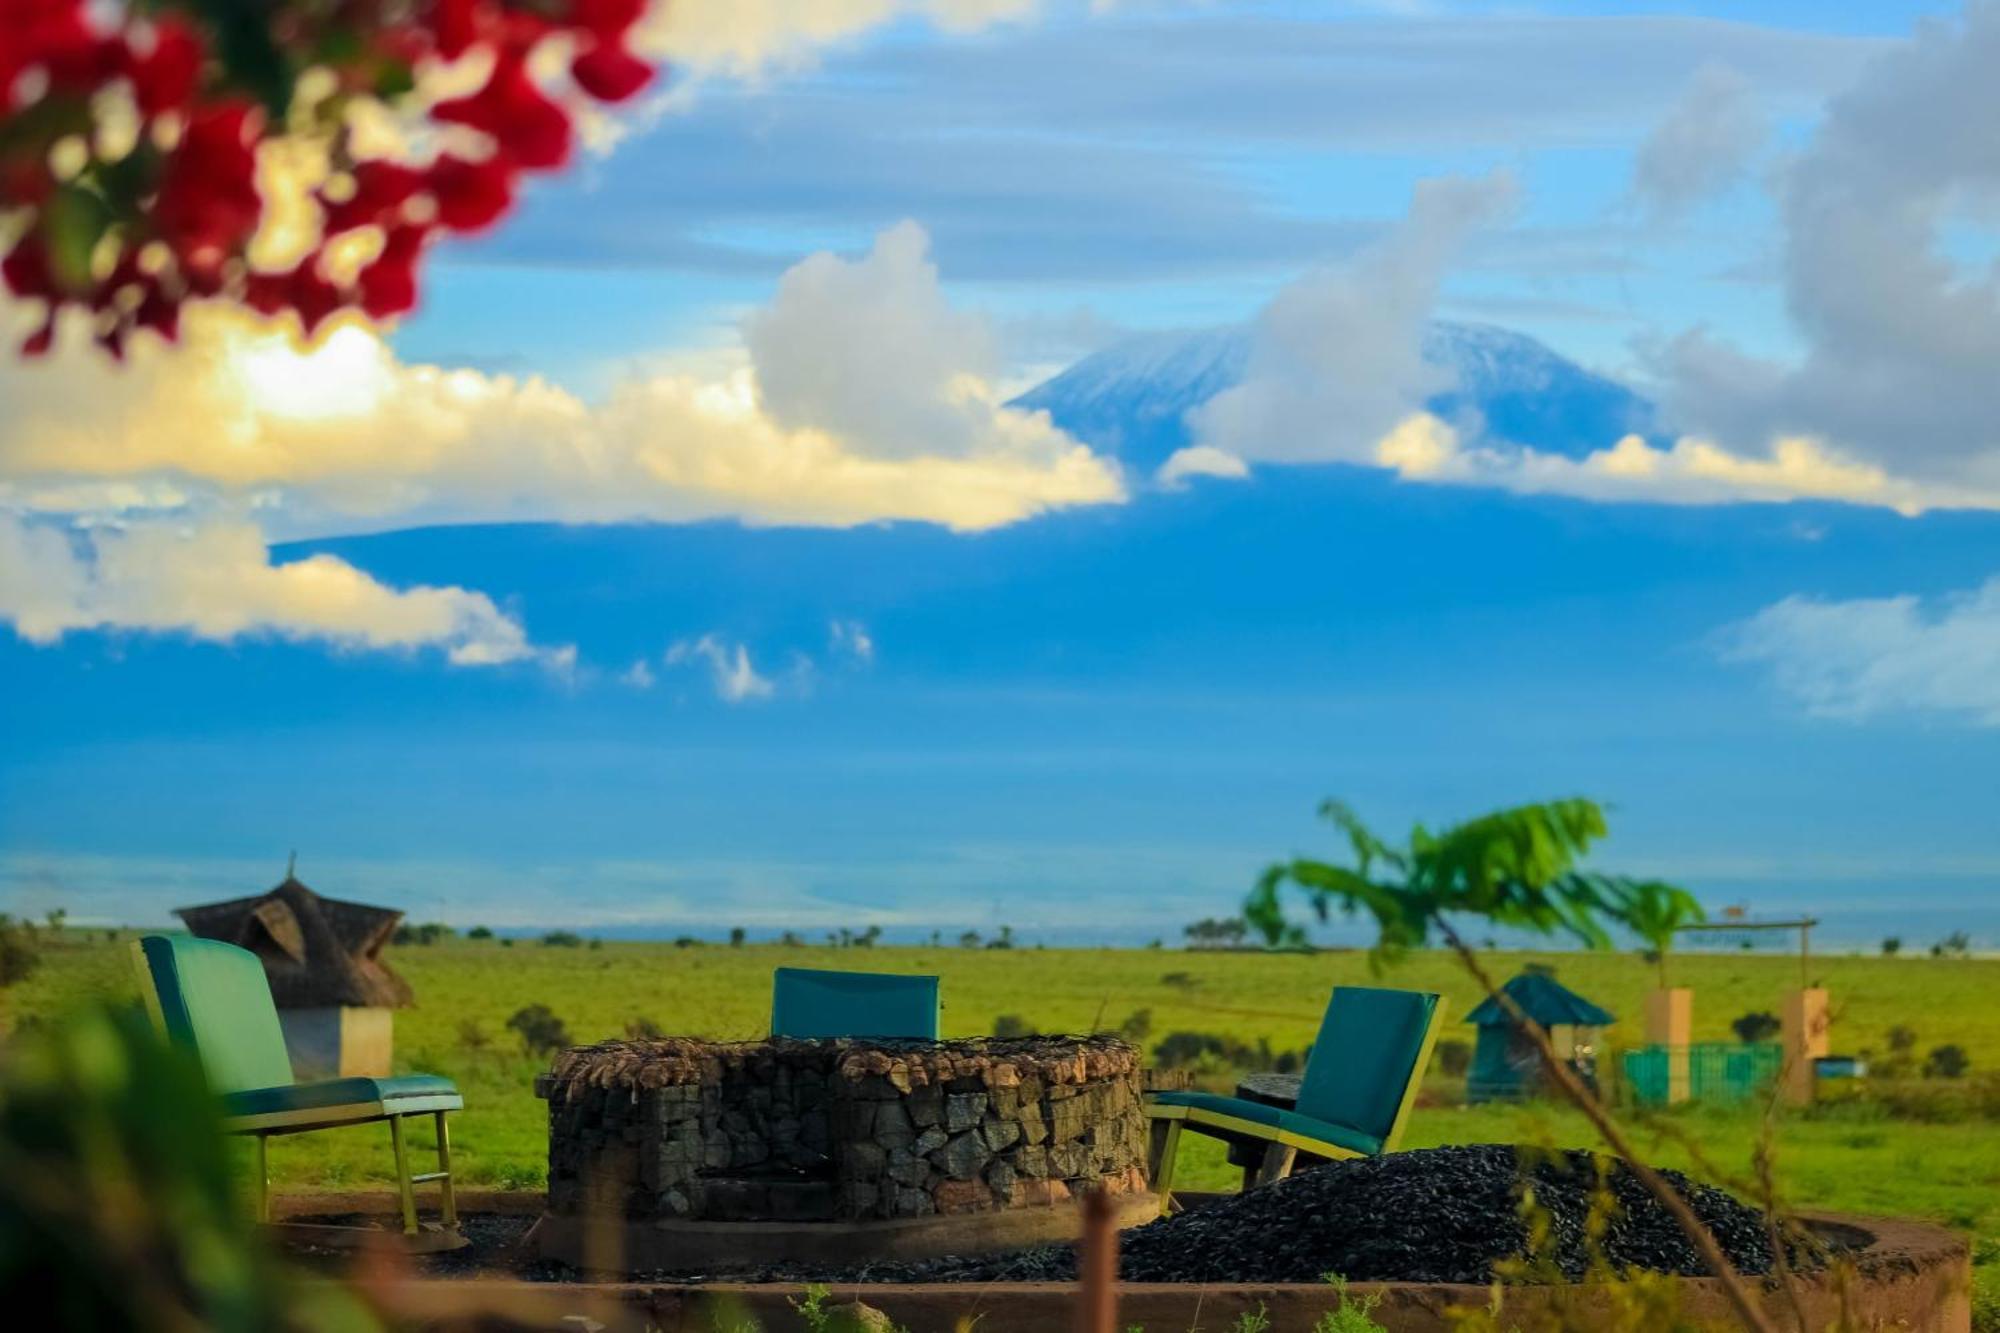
(213, 998)
(812, 1004)
(1354, 1100)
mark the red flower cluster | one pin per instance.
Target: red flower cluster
(131, 229)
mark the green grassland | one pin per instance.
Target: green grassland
(1854, 1158)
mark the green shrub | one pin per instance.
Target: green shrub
(541, 1031)
(1948, 1061)
(1454, 1057)
(1012, 1025)
(1756, 1027)
(20, 950)
(479, 933)
(116, 1209)
(1216, 1053)
(562, 939)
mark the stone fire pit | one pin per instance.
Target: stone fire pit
(679, 1153)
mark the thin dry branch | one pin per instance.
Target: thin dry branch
(1741, 1299)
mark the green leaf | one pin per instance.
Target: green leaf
(73, 221)
(1515, 867)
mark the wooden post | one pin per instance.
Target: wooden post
(1670, 1024)
(1805, 1033)
(1097, 1267)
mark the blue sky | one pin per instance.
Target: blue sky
(683, 564)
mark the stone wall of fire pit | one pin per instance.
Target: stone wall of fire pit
(797, 1131)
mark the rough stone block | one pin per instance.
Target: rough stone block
(864, 1161)
(1033, 1128)
(925, 1106)
(966, 1155)
(962, 1196)
(1029, 1192)
(1000, 1134)
(906, 1168)
(929, 1141)
(962, 1111)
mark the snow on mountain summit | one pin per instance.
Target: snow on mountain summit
(1132, 398)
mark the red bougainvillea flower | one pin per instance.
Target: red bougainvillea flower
(183, 192)
(528, 127)
(610, 73)
(607, 19)
(208, 205)
(163, 79)
(380, 191)
(471, 195)
(389, 284)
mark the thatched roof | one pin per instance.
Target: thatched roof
(317, 952)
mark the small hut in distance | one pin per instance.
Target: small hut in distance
(1505, 1063)
(336, 998)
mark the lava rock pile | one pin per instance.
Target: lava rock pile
(1432, 1215)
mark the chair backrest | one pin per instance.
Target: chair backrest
(814, 1004)
(213, 997)
(1369, 1057)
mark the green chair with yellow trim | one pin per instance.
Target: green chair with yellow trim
(1354, 1099)
(214, 998)
(811, 1004)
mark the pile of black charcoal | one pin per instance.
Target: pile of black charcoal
(1433, 1215)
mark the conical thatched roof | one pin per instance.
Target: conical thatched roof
(317, 952)
(1545, 1000)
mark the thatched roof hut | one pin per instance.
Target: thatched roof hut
(318, 952)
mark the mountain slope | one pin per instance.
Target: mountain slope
(1132, 398)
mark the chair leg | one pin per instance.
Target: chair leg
(1277, 1165)
(1166, 1142)
(403, 1183)
(447, 1201)
(263, 1182)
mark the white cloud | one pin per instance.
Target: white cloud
(850, 639)
(639, 675)
(1200, 460)
(1702, 146)
(1689, 471)
(344, 436)
(1901, 337)
(1869, 656)
(746, 36)
(734, 675)
(216, 581)
(1338, 358)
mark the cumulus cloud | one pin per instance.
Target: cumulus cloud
(344, 435)
(216, 581)
(1337, 358)
(860, 394)
(1690, 470)
(1337, 374)
(734, 676)
(748, 36)
(1702, 146)
(1868, 656)
(1200, 460)
(1901, 339)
